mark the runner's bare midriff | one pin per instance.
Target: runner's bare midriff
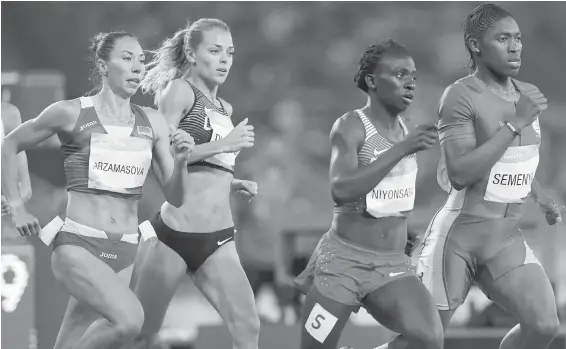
(380, 234)
(103, 212)
(206, 204)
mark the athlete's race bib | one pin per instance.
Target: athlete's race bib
(396, 192)
(511, 177)
(221, 126)
(118, 164)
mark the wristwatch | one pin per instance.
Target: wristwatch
(511, 127)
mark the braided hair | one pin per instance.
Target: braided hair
(371, 57)
(478, 22)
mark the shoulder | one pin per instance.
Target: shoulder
(153, 115)
(227, 106)
(348, 126)
(179, 85)
(459, 90)
(522, 85)
(178, 91)
(66, 111)
(457, 96)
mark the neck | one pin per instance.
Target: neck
(115, 104)
(207, 88)
(379, 113)
(498, 82)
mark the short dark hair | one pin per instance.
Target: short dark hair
(371, 57)
(478, 21)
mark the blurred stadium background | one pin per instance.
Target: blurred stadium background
(292, 76)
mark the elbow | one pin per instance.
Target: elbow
(176, 202)
(458, 182)
(26, 195)
(340, 191)
(174, 198)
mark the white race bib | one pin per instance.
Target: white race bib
(320, 323)
(118, 164)
(221, 127)
(396, 192)
(511, 177)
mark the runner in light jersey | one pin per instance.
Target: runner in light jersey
(109, 145)
(361, 261)
(490, 141)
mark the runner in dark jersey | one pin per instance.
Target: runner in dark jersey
(373, 170)
(490, 143)
(109, 145)
(198, 238)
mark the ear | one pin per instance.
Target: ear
(102, 67)
(370, 81)
(190, 55)
(474, 45)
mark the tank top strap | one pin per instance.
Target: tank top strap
(198, 93)
(368, 126)
(403, 125)
(86, 102)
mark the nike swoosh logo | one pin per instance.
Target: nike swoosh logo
(395, 274)
(223, 241)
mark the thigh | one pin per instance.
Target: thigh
(223, 282)
(94, 283)
(443, 266)
(323, 320)
(158, 271)
(79, 316)
(524, 291)
(404, 306)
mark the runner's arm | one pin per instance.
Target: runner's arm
(171, 173)
(12, 119)
(32, 132)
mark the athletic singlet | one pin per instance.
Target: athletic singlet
(395, 194)
(108, 160)
(205, 122)
(469, 109)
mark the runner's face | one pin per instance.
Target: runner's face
(501, 47)
(214, 56)
(126, 66)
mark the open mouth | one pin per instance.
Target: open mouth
(515, 62)
(407, 98)
(222, 70)
(134, 81)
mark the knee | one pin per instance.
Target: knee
(431, 336)
(247, 326)
(547, 327)
(128, 323)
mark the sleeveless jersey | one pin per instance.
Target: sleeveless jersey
(395, 193)
(469, 109)
(108, 160)
(205, 122)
